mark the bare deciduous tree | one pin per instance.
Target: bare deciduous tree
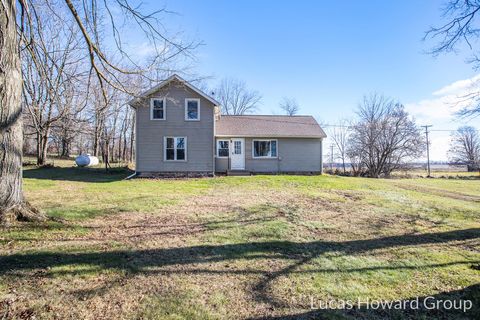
(50, 78)
(384, 136)
(465, 147)
(355, 159)
(340, 136)
(90, 19)
(236, 98)
(289, 106)
(12, 203)
(461, 28)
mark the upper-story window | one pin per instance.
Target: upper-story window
(157, 109)
(192, 109)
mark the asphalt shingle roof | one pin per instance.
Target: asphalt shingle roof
(269, 126)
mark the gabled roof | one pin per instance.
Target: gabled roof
(167, 81)
(268, 126)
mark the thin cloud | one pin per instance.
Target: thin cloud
(459, 87)
(439, 110)
(446, 101)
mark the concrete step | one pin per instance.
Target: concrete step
(238, 173)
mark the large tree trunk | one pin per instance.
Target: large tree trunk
(42, 147)
(12, 202)
(44, 150)
(65, 148)
(95, 142)
(39, 148)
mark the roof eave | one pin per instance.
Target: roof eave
(165, 82)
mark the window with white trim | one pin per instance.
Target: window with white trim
(157, 109)
(175, 148)
(192, 109)
(264, 148)
(222, 148)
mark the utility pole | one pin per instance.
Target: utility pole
(331, 157)
(428, 149)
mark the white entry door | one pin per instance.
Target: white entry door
(237, 154)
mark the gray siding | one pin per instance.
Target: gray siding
(151, 133)
(294, 155)
(221, 164)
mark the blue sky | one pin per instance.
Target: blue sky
(327, 54)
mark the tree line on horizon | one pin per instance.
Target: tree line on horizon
(362, 144)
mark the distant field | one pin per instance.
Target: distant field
(259, 247)
(436, 171)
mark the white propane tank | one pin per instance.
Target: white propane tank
(86, 160)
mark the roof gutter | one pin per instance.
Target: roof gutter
(266, 136)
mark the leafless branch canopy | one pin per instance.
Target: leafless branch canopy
(79, 69)
(95, 21)
(340, 135)
(461, 28)
(289, 106)
(384, 136)
(465, 148)
(236, 98)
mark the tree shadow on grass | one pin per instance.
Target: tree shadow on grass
(174, 260)
(78, 174)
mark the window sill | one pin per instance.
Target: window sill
(264, 158)
(192, 119)
(174, 160)
(158, 119)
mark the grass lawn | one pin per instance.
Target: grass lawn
(260, 247)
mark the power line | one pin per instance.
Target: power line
(331, 157)
(447, 130)
(428, 148)
(433, 130)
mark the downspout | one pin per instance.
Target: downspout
(321, 155)
(278, 161)
(229, 150)
(134, 153)
(214, 139)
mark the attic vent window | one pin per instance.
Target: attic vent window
(157, 109)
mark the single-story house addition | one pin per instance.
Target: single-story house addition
(180, 131)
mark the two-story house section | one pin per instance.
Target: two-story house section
(180, 131)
